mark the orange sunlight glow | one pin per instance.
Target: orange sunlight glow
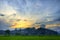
(22, 24)
(52, 25)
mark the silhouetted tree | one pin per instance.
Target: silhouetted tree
(7, 32)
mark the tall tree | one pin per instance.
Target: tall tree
(7, 32)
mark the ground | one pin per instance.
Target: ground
(29, 37)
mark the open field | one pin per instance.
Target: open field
(29, 37)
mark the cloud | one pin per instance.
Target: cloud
(36, 10)
(3, 24)
(57, 19)
(2, 14)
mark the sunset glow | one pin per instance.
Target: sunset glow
(29, 13)
(22, 24)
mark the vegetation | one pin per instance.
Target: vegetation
(29, 37)
(7, 32)
(29, 34)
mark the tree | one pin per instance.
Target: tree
(7, 32)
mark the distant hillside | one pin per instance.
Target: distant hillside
(29, 31)
(44, 31)
(57, 29)
(33, 31)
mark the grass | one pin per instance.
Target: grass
(29, 37)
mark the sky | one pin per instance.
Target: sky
(26, 13)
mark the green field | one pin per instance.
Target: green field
(29, 37)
